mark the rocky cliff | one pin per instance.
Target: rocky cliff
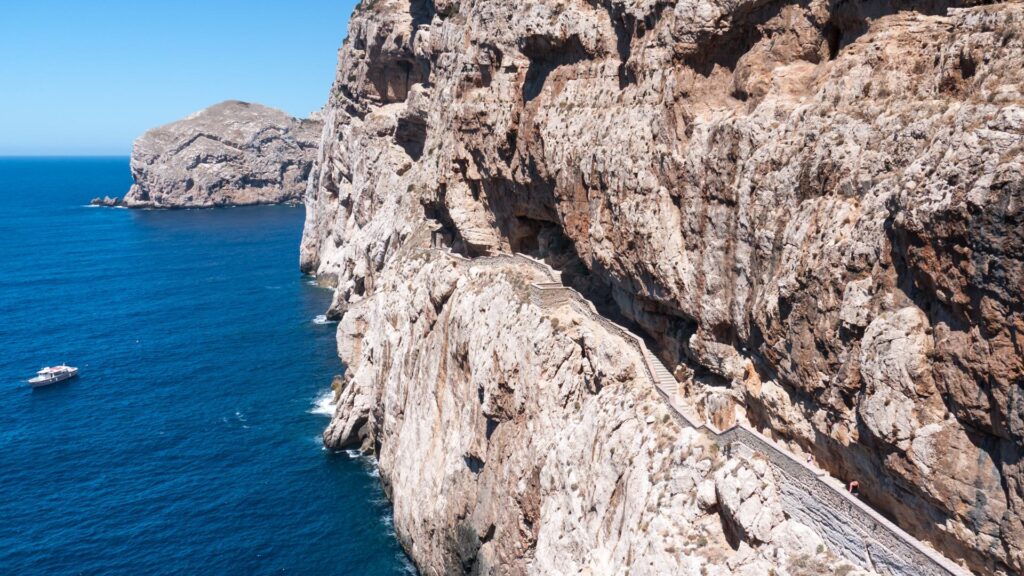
(231, 154)
(812, 210)
(516, 441)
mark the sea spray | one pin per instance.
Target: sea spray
(324, 405)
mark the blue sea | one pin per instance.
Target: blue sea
(190, 442)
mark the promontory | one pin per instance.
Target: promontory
(230, 154)
(678, 287)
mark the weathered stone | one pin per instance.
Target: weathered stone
(749, 500)
(231, 154)
(817, 205)
(550, 456)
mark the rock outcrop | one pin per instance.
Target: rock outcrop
(107, 202)
(814, 209)
(549, 456)
(231, 154)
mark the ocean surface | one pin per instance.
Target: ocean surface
(190, 442)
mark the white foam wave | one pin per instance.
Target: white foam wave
(322, 319)
(369, 462)
(238, 420)
(324, 405)
(373, 467)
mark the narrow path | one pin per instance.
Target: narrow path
(810, 495)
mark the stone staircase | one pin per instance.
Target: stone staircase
(664, 379)
(851, 527)
(810, 495)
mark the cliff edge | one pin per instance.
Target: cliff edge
(811, 210)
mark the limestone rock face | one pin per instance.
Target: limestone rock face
(813, 208)
(749, 499)
(519, 441)
(231, 154)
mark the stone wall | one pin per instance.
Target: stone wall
(850, 527)
(810, 495)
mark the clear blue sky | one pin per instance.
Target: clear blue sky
(81, 77)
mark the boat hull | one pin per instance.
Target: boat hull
(48, 381)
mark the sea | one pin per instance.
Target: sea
(190, 443)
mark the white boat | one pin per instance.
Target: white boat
(52, 375)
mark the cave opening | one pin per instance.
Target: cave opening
(547, 55)
(411, 135)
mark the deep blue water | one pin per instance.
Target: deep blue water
(189, 443)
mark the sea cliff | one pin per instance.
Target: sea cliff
(810, 210)
(230, 154)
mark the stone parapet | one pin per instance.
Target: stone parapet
(811, 496)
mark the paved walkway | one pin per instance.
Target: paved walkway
(850, 526)
(810, 494)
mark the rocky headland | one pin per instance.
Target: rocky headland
(230, 154)
(811, 212)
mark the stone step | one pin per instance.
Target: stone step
(551, 294)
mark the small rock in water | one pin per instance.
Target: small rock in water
(107, 201)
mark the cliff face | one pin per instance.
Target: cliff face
(516, 441)
(813, 208)
(233, 153)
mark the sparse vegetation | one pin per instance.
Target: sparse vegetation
(807, 565)
(844, 570)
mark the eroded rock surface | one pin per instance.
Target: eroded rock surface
(814, 208)
(515, 440)
(231, 154)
